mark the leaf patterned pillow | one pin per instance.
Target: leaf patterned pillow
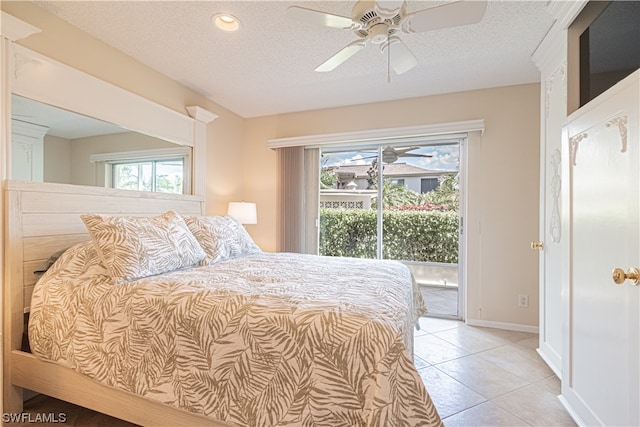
(221, 237)
(135, 247)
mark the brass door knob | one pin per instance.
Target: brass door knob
(535, 245)
(619, 276)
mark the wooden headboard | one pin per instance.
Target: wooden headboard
(43, 218)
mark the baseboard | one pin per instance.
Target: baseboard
(569, 409)
(502, 325)
(551, 358)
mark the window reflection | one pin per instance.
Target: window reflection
(162, 176)
(50, 144)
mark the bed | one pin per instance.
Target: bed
(226, 335)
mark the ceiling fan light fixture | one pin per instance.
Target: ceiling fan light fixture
(226, 22)
(378, 33)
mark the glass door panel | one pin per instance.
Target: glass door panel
(348, 204)
(399, 203)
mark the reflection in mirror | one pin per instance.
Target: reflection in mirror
(50, 144)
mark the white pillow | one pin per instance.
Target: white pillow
(135, 247)
(221, 237)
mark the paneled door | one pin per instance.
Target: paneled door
(554, 112)
(601, 354)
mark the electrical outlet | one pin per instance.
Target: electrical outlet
(523, 300)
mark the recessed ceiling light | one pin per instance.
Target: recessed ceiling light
(226, 22)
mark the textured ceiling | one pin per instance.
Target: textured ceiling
(267, 67)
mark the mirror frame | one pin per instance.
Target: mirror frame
(46, 80)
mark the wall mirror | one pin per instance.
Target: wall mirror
(51, 144)
(73, 128)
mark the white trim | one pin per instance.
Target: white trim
(201, 118)
(552, 47)
(551, 358)
(397, 134)
(46, 80)
(502, 325)
(463, 226)
(161, 153)
(14, 29)
(28, 129)
(200, 114)
(554, 43)
(569, 408)
(565, 11)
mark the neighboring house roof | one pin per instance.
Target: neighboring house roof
(391, 170)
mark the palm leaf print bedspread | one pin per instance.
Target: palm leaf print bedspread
(261, 340)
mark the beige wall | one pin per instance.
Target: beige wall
(57, 160)
(503, 183)
(77, 49)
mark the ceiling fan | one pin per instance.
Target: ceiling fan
(391, 154)
(381, 22)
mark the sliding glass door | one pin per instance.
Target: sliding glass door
(398, 202)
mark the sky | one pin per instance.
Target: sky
(444, 157)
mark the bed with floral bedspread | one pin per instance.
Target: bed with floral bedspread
(248, 338)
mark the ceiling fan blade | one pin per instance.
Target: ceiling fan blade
(344, 54)
(454, 14)
(402, 150)
(414, 155)
(400, 57)
(321, 18)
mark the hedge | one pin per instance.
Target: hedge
(426, 236)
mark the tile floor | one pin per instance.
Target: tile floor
(475, 376)
(486, 377)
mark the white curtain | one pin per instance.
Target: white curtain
(298, 199)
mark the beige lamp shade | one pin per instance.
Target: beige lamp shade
(244, 212)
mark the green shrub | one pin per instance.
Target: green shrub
(425, 236)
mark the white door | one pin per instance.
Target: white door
(601, 364)
(554, 115)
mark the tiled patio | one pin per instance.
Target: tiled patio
(441, 300)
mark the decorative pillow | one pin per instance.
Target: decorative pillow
(221, 237)
(135, 247)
